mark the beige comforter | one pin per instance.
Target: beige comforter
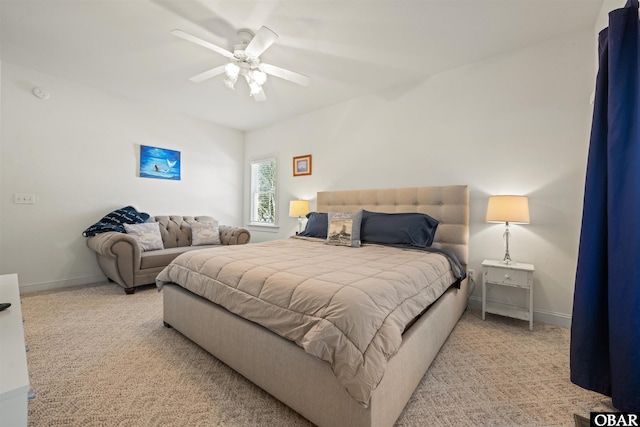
(348, 306)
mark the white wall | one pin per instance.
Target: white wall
(78, 153)
(515, 124)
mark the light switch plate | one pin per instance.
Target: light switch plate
(23, 198)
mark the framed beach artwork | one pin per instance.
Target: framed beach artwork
(159, 163)
(302, 165)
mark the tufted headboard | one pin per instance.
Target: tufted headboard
(448, 204)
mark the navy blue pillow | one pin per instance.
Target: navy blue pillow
(317, 225)
(414, 229)
(114, 221)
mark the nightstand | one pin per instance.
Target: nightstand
(516, 275)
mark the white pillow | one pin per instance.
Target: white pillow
(147, 234)
(205, 233)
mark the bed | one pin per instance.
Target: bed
(329, 392)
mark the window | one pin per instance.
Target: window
(263, 193)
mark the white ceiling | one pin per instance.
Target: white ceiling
(349, 48)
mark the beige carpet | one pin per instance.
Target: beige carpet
(99, 357)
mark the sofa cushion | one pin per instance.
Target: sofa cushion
(162, 258)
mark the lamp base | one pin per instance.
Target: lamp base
(507, 258)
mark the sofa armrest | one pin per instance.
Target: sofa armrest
(234, 235)
(118, 254)
(104, 243)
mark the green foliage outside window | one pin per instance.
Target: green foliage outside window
(263, 189)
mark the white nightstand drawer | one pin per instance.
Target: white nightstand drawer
(508, 277)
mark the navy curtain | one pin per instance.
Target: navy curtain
(605, 329)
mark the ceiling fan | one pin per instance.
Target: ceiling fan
(245, 61)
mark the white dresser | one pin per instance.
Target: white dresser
(14, 377)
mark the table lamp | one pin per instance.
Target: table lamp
(299, 208)
(508, 209)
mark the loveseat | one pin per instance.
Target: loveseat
(124, 262)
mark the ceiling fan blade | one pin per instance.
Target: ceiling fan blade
(285, 74)
(199, 41)
(208, 74)
(260, 96)
(260, 42)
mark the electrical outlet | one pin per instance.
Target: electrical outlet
(471, 274)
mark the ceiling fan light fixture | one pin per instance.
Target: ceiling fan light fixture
(255, 89)
(232, 70)
(258, 76)
(254, 86)
(230, 82)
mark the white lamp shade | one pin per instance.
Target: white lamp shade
(298, 207)
(513, 209)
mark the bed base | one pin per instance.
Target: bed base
(307, 384)
(301, 381)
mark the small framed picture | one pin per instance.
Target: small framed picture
(302, 165)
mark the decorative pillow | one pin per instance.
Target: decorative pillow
(115, 220)
(344, 228)
(205, 233)
(414, 229)
(147, 234)
(317, 224)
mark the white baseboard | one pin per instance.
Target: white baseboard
(552, 318)
(543, 316)
(58, 284)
